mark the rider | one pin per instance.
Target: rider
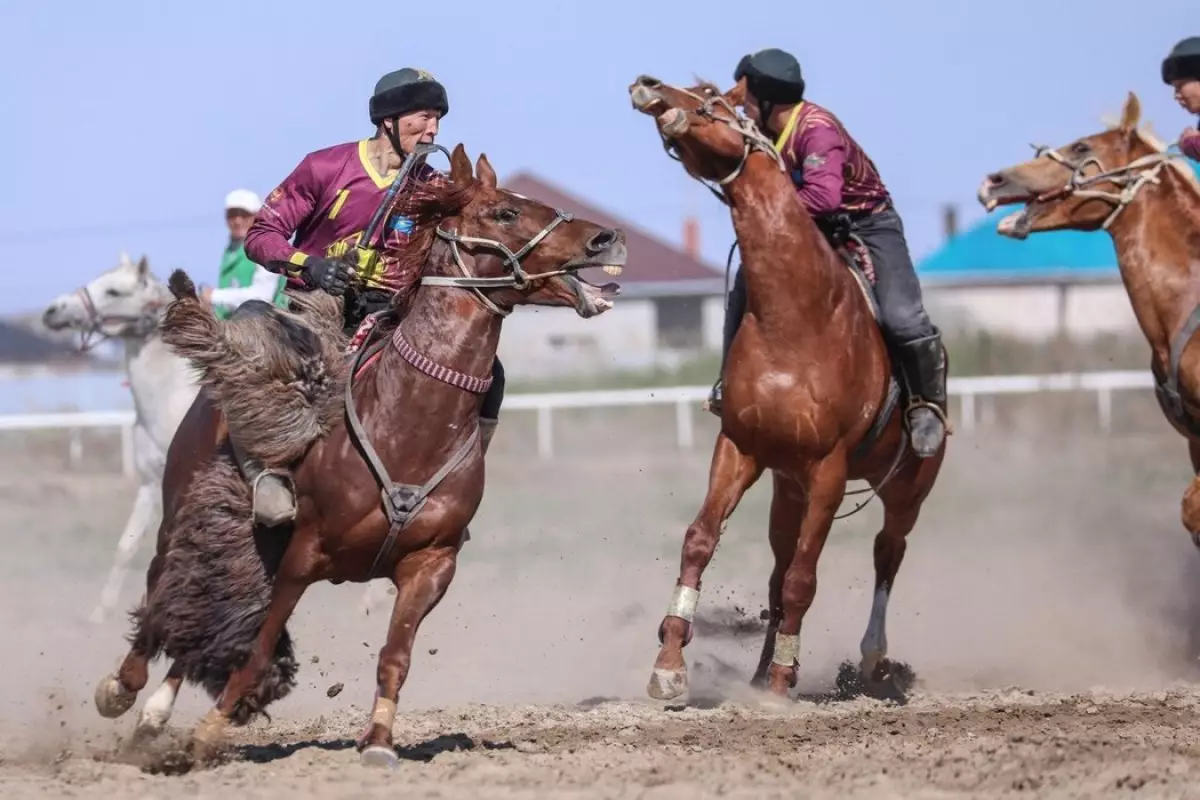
(840, 187)
(239, 279)
(1181, 69)
(327, 203)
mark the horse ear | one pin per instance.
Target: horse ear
(143, 267)
(460, 165)
(483, 168)
(1130, 114)
(737, 95)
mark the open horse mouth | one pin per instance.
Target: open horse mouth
(592, 300)
(1019, 224)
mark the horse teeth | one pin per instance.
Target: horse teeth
(613, 269)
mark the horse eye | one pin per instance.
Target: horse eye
(1080, 148)
(507, 214)
(112, 293)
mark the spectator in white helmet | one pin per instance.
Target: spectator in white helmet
(239, 278)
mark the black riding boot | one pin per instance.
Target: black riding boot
(734, 311)
(923, 363)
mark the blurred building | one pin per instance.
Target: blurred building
(671, 305)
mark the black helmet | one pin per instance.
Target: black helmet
(1184, 61)
(407, 90)
(772, 76)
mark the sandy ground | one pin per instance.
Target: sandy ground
(1049, 604)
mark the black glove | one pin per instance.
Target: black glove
(331, 275)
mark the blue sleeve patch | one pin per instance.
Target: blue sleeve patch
(401, 224)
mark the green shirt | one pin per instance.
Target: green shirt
(237, 271)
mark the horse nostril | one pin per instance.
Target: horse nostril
(602, 241)
(648, 82)
(996, 179)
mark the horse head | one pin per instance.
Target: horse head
(700, 127)
(515, 250)
(1082, 186)
(124, 302)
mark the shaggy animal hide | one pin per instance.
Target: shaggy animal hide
(211, 598)
(277, 375)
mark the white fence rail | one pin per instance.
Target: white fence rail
(686, 399)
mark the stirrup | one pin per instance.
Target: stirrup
(289, 487)
(920, 402)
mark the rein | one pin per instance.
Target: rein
(1130, 178)
(752, 139)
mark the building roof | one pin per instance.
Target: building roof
(21, 346)
(654, 268)
(980, 255)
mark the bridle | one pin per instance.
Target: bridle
(136, 325)
(1129, 178)
(752, 139)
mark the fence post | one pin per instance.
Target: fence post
(75, 453)
(968, 411)
(684, 429)
(127, 456)
(545, 432)
(1104, 408)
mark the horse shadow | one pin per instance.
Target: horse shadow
(423, 752)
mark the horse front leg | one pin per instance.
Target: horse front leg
(1190, 507)
(291, 581)
(731, 474)
(145, 504)
(421, 581)
(824, 485)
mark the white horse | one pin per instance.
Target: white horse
(127, 303)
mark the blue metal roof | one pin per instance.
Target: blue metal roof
(981, 254)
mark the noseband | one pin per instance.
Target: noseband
(1129, 178)
(138, 325)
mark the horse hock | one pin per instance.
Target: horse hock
(1191, 510)
(923, 363)
(669, 680)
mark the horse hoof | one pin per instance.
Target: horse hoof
(113, 699)
(669, 684)
(379, 756)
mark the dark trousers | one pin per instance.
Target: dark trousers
(901, 310)
(359, 307)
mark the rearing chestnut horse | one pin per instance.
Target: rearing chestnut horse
(410, 428)
(1123, 182)
(809, 394)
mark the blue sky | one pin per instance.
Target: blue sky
(127, 122)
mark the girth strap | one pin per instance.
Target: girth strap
(1167, 388)
(401, 501)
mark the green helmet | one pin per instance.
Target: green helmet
(772, 76)
(1183, 62)
(407, 90)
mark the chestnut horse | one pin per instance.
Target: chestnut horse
(406, 420)
(1121, 181)
(810, 394)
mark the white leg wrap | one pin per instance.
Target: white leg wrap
(683, 603)
(157, 710)
(874, 641)
(787, 649)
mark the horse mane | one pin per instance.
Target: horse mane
(428, 203)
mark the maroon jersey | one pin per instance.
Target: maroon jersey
(1190, 146)
(327, 203)
(837, 175)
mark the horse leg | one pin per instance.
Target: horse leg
(902, 498)
(139, 521)
(731, 474)
(1191, 497)
(787, 511)
(421, 581)
(116, 693)
(826, 486)
(289, 586)
(157, 710)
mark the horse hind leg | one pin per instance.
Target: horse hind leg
(731, 474)
(902, 498)
(1190, 506)
(157, 710)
